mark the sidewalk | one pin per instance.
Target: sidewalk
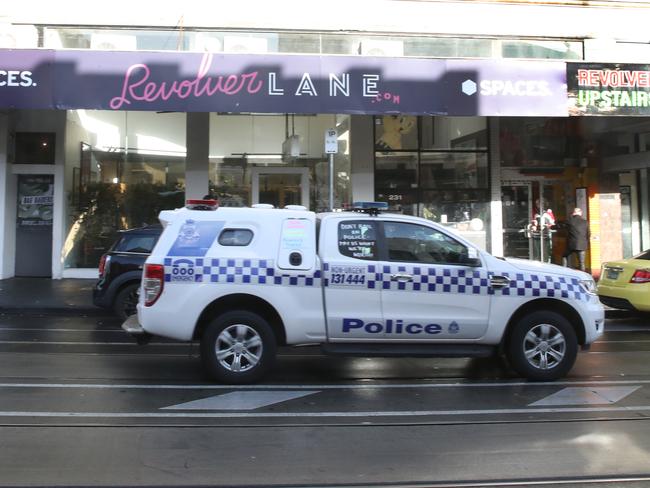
(47, 295)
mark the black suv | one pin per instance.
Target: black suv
(120, 270)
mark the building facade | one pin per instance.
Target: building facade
(108, 117)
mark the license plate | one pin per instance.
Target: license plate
(612, 274)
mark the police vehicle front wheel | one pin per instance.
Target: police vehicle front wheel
(238, 347)
(542, 346)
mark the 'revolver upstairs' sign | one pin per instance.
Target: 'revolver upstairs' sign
(608, 89)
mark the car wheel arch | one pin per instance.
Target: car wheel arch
(548, 305)
(241, 301)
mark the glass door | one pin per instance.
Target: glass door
(280, 186)
(516, 203)
(531, 210)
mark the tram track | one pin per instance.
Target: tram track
(460, 447)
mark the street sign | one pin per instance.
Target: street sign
(331, 142)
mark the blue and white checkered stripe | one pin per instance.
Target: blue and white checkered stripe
(240, 271)
(425, 279)
(532, 285)
(457, 280)
(376, 277)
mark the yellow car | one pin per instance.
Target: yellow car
(626, 283)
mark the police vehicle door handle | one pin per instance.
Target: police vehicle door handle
(499, 282)
(401, 277)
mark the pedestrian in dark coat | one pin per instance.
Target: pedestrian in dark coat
(577, 238)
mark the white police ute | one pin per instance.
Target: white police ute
(244, 281)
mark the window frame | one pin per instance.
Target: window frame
(379, 240)
(423, 263)
(230, 229)
(417, 189)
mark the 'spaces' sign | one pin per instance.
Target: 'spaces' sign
(275, 83)
(608, 89)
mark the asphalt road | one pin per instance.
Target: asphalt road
(81, 404)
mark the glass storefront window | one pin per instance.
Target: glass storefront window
(448, 47)
(454, 170)
(443, 177)
(539, 143)
(396, 171)
(466, 212)
(454, 133)
(542, 49)
(299, 43)
(396, 132)
(247, 164)
(309, 43)
(122, 169)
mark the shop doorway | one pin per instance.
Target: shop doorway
(280, 186)
(34, 225)
(516, 203)
(530, 211)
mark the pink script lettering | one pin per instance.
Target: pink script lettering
(136, 85)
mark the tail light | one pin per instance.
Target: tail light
(103, 263)
(153, 283)
(641, 276)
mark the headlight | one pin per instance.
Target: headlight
(589, 286)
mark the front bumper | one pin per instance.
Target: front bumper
(593, 316)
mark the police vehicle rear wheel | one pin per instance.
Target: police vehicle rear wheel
(542, 346)
(238, 347)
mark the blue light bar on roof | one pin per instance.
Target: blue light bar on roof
(370, 206)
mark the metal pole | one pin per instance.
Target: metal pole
(541, 222)
(331, 196)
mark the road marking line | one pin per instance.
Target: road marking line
(20, 329)
(75, 343)
(363, 386)
(241, 400)
(406, 413)
(586, 396)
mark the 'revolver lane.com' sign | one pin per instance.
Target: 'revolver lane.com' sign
(608, 89)
(277, 83)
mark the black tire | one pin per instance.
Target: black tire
(551, 344)
(127, 300)
(247, 341)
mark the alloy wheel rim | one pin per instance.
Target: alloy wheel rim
(238, 348)
(544, 346)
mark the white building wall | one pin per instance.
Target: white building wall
(363, 158)
(592, 19)
(496, 208)
(7, 204)
(198, 150)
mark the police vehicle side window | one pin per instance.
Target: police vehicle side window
(235, 237)
(420, 244)
(358, 239)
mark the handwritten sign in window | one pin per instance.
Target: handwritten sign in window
(358, 239)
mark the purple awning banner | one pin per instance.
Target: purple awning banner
(275, 83)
